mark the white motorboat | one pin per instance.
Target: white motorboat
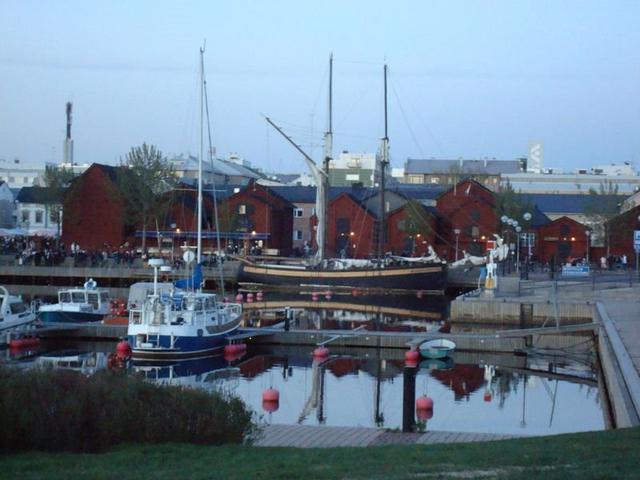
(86, 304)
(13, 311)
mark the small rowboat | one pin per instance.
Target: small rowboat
(438, 348)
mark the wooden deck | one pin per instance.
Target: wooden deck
(315, 436)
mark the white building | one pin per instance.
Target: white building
(18, 175)
(38, 212)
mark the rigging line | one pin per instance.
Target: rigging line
(406, 121)
(361, 93)
(425, 126)
(423, 215)
(215, 202)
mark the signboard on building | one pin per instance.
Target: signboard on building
(636, 240)
(577, 271)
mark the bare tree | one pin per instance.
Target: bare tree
(602, 205)
(57, 180)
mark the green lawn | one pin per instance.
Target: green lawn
(611, 454)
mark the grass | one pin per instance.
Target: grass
(609, 454)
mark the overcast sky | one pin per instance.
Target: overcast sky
(466, 79)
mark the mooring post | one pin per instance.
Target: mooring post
(408, 399)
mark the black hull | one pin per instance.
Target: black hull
(431, 278)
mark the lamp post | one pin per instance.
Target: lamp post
(518, 230)
(588, 233)
(457, 233)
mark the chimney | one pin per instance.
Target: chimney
(68, 142)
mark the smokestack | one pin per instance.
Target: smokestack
(68, 142)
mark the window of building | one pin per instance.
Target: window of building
(435, 179)
(12, 179)
(353, 177)
(475, 231)
(242, 209)
(53, 216)
(342, 225)
(25, 180)
(25, 215)
(39, 216)
(298, 212)
(297, 234)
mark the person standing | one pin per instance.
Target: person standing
(623, 259)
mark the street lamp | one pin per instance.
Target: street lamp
(457, 233)
(518, 230)
(588, 233)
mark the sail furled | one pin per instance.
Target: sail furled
(195, 281)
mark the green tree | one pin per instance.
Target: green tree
(602, 205)
(57, 180)
(511, 203)
(145, 175)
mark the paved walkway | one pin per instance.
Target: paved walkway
(313, 436)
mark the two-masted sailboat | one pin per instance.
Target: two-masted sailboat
(428, 273)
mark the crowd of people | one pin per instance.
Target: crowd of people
(48, 251)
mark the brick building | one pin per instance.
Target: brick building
(563, 239)
(93, 213)
(468, 208)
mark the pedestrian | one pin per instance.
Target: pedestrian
(624, 261)
(603, 263)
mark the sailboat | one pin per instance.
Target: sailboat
(183, 322)
(426, 274)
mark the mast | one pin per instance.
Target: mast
(384, 161)
(323, 193)
(199, 202)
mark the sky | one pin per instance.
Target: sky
(469, 79)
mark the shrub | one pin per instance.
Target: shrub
(58, 410)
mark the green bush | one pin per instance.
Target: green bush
(61, 410)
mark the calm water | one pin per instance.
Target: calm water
(533, 395)
(367, 387)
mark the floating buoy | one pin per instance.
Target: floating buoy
(123, 349)
(233, 356)
(259, 296)
(419, 294)
(314, 296)
(327, 295)
(487, 396)
(424, 414)
(225, 299)
(424, 403)
(355, 292)
(270, 395)
(412, 355)
(249, 297)
(234, 348)
(321, 352)
(270, 406)
(239, 298)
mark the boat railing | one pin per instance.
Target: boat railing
(232, 309)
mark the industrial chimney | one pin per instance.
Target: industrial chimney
(68, 143)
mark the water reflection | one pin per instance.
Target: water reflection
(374, 387)
(325, 309)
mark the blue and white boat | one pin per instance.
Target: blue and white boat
(184, 322)
(180, 323)
(86, 304)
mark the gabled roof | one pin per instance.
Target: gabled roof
(43, 195)
(564, 203)
(469, 167)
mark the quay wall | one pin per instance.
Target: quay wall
(519, 312)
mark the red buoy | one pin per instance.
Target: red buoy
(123, 349)
(327, 295)
(419, 294)
(487, 396)
(424, 414)
(355, 292)
(24, 342)
(270, 395)
(321, 353)
(259, 296)
(315, 297)
(239, 298)
(249, 297)
(270, 406)
(424, 403)
(412, 355)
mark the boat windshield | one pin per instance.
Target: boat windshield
(17, 307)
(64, 297)
(77, 297)
(92, 298)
